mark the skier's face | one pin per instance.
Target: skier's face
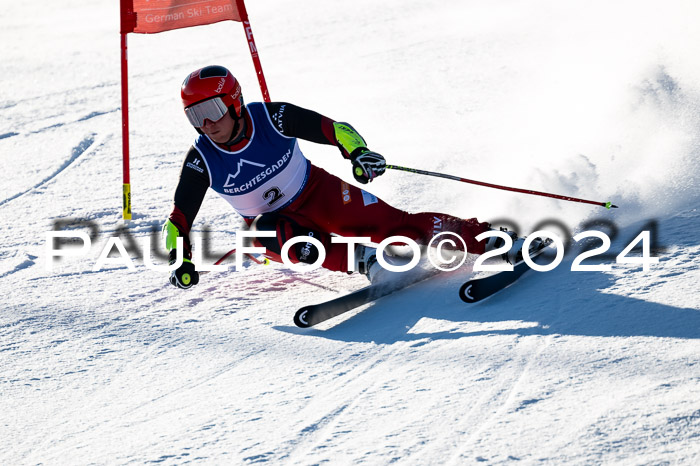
(219, 131)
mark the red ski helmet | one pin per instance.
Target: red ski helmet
(210, 82)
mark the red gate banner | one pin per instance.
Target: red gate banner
(151, 16)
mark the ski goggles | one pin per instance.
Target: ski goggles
(212, 110)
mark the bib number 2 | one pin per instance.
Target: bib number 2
(273, 195)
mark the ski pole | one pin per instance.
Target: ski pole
(250, 256)
(233, 251)
(607, 205)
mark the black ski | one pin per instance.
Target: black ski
(481, 288)
(309, 316)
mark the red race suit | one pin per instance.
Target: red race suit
(264, 175)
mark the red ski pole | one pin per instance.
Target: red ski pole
(250, 256)
(233, 251)
(607, 205)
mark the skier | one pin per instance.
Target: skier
(249, 155)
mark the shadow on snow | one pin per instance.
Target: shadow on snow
(568, 303)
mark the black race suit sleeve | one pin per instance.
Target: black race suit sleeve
(297, 122)
(189, 194)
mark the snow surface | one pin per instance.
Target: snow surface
(587, 98)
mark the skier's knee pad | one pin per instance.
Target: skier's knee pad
(285, 229)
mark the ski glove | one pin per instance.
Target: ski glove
(184, 276)
(367, 165)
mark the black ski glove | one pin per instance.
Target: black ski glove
(184, 276)
(367, 165)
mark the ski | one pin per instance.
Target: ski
(308, 316)
(481, 288)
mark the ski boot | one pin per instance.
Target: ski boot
(366, 263)
(515, 253)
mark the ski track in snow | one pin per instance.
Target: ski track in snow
(86, 145)
(504, 399)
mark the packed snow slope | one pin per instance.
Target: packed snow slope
(590, 99)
